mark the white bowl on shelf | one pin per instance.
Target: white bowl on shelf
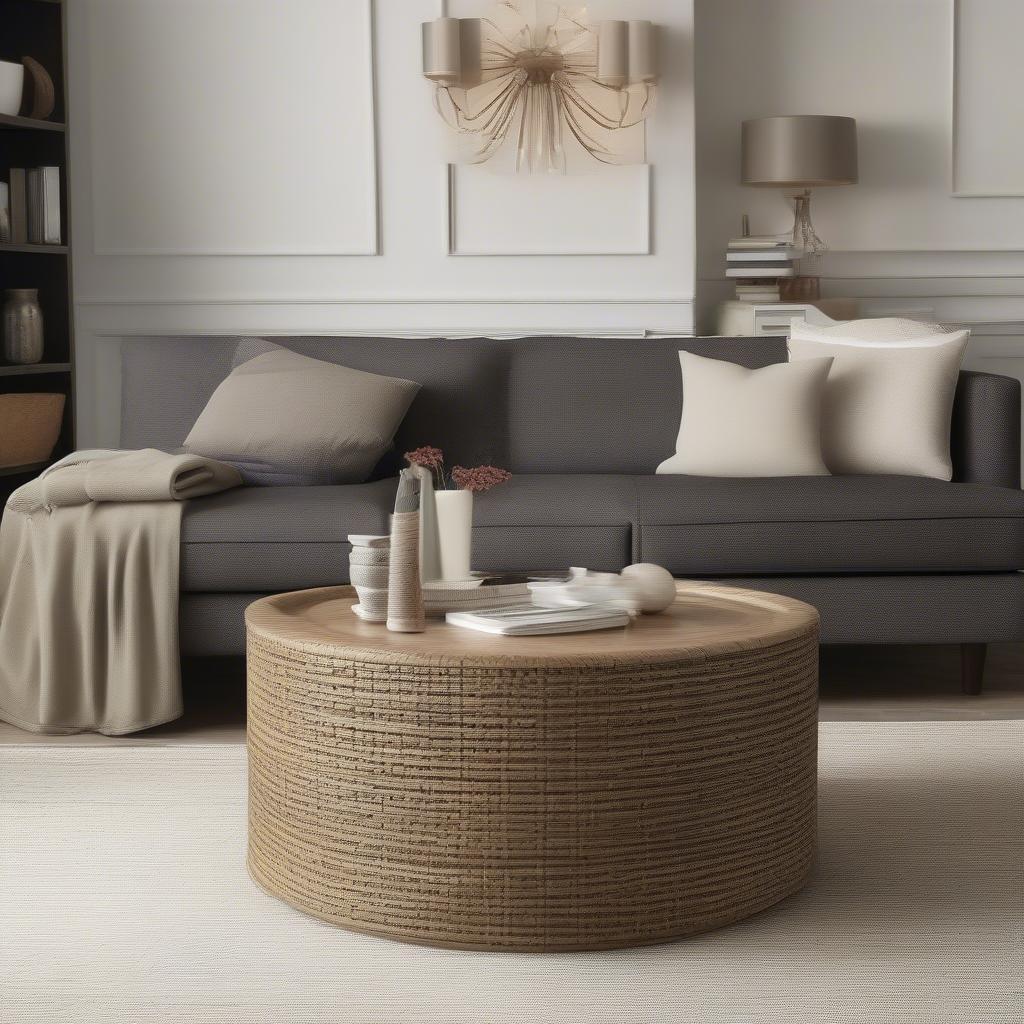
(12, 82)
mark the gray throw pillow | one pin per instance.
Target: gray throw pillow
(285, 419)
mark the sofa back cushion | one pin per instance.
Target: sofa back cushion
(582, 405)
(533, 405)
(461, 407)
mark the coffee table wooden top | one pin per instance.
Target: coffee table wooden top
(706, 619)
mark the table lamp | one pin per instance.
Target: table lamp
(800, 152)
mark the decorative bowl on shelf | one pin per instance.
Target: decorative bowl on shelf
(29, 428)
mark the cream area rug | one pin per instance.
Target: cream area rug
(124, 898)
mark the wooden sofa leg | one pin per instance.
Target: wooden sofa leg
(972, 667)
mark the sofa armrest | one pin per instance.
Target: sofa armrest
(985, 440)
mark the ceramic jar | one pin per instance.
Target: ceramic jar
(454, 532)
(23, 326)
(12, 81)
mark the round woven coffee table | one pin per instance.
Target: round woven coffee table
(584, 791)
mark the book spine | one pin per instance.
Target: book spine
(19, 210)
(767, 265)
(33, 194)
(745, 255)
(764, 272)
(50, 204)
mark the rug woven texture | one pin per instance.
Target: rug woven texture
(124, 897)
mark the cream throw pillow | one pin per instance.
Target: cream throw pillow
(889, 396)
(740, 422)
(282, 418)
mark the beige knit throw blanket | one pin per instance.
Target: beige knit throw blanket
(89, 555)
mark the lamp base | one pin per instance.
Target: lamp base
(804, 235)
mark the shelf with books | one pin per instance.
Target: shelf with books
(35, 28)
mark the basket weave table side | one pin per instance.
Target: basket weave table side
(536, 793)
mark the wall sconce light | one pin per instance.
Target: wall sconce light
(536, 80)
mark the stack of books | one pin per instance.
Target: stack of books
(34, 198)
(757, 263)
(493, 592)
(525, 620)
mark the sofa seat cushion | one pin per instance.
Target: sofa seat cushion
(267, 539)
(698, 526)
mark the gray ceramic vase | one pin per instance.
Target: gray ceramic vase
(23, 326)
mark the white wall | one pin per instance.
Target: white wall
(418, 282)
(899, 239)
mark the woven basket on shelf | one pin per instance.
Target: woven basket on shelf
(29, 428)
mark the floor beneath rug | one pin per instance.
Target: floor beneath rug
(124, 897)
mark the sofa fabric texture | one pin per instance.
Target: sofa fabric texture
(749, 423)
(286, 538)
(532, 405)
(583, 424)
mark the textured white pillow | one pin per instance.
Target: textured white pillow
(282, 418)
(740, 422)
(889, 396)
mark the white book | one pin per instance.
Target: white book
(760, 241)
(50, 204)
(479, 594)
(746, 255)
(760, 272)
(42, 188)
(437, 602)
(529, 620)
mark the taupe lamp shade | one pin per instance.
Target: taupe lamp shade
(800, 151)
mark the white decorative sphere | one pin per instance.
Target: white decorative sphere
(654, 586)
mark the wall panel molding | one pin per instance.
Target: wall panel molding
(604, 213)
(406, 283)
(169, 157)
(431, 318)
(985, 111)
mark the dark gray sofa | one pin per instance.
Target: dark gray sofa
(582, 424)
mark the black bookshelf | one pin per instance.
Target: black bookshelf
(36, 28)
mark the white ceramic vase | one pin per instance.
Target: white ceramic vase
(12, 82)
(454, 532)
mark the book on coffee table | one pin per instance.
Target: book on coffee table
(529, 620)
(492, 591)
